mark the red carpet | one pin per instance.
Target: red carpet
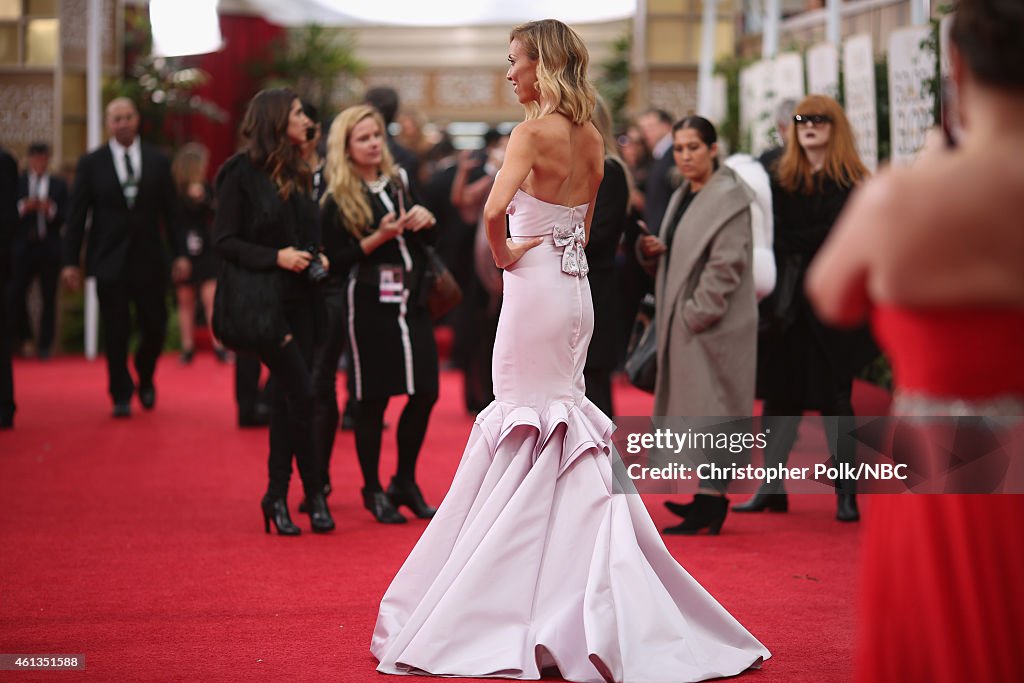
(140, 543)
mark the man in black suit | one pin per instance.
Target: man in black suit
(42, 206)
(127, 187)
(8, 223)
(656, 126)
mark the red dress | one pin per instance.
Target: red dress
(943, 575)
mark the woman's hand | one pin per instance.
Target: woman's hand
(293, 259)
(514, 251)
(418, 217)
(391, 226)
(325, 262)
(651, 246)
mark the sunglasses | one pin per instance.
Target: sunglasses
(816, 119)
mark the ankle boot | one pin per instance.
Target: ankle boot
(846, 507)
(319, 516)
(380, 505)
(275, 508)
(681, 509)
(407, 493)
(771, 499)
(706, 512)
(302, 503)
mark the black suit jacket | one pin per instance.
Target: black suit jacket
(27, 225)
(8, 211)
(658, 191)
(124, 245)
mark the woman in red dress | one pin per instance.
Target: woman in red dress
(934, 256)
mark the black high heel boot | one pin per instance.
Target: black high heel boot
(319, 516)
(764, 499)
(407, 493)
(381, 507)
(302, 503)
(846, 507)
(681, 509)
(276, 509)
(706, 512)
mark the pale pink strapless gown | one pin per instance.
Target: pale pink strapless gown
(532, 561)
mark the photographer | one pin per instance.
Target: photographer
(266, 220)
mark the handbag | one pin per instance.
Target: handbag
(642, 352)
(247, 310)
(442, 291)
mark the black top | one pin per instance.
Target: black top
(253, 222)
(680, 212)
(342, 247)
(803, 221)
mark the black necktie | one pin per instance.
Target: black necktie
(130, 185)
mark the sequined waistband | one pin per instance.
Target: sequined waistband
(917, 403)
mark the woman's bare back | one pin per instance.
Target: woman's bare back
(570, 163)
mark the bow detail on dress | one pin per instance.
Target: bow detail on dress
(574, 259)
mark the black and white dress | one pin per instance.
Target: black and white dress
(390, 333)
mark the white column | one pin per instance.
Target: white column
(833, 21)
(705, 73)
(770, 36)
(920, 12)
(94, 127)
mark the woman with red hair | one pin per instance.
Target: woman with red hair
(804, 364)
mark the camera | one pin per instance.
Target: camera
(316, 271)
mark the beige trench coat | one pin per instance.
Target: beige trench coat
(706, 309)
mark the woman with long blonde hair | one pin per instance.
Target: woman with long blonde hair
(373, 236)
(803, 363)
(531, 563)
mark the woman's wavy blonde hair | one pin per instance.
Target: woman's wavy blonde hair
(344, 184)
(562, 61)
(842, 161)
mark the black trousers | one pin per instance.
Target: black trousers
(784, 433)
(150, 304)
(325, 376)
(34, 258)
(7, 406)
(599, 388)
(247, 384)
(291, 416)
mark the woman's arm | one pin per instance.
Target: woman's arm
(728, 261)
(519, 158)
(229, 226)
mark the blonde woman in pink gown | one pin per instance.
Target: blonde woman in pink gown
(532, 563)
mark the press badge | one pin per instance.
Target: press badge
(391, 284)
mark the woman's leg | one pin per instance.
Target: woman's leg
(325, 379)
(369, 425)
(187, 319)
(291, 421)
(412, 429)
(207, 290)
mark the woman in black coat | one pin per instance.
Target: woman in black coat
(804, 364)
(372, 235)
(266, 221)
